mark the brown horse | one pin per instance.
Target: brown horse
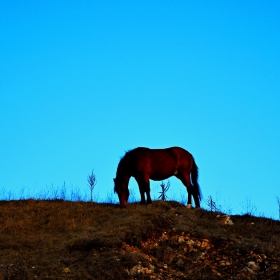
(156, 164)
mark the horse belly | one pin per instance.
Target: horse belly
(157, 177)
(163, 166)
(162, 173)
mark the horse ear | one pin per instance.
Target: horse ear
(114, 180)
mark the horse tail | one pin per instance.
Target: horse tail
(194, 178)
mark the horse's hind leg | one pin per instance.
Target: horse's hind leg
(189, 205)
(185, 179)
(149, 200)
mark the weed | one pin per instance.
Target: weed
(164, 189)
(91, 182)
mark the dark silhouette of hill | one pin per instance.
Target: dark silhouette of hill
(55, 239)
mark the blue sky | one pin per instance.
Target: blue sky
(81, 82)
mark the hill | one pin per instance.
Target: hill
(58, 239)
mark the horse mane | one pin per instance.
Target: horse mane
(123, 164)
(125, 154)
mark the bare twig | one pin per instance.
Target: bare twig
(212, 205)
(164, 189)
(92, 182)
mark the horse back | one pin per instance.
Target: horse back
(160, 164)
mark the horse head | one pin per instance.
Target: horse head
(123, 193)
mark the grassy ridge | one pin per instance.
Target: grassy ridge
(56, 239)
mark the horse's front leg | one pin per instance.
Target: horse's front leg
(147, 191)
(149, 200)
(141, 186)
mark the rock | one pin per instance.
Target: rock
(190, 242)
(137, 270)
(247, 271)
(202, 256)
(253, 265)
(152, 268)
(205, 244)
(226, 220)
(181, 239)
(140, 270)
(180, 260)
(147, 271)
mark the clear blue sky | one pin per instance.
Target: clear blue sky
(81, 82)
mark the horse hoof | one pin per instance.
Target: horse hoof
(150, 204)
(188, 206)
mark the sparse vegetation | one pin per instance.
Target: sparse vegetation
(212, 205)
(57, 239)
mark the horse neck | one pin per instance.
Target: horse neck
(123, 179)
(123, 172)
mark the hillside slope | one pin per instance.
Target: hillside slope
(82, 240)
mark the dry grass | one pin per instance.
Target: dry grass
(57, 239)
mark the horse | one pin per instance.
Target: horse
(156, 164)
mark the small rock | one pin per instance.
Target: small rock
(66, 270)
(202, 256)
(190, 242)
(248, 271)
(181, 239)
(226, 220)
(205, 244)
(147, 271)
(225, 263)
(253, 265)
(152, 268)
(136, 270)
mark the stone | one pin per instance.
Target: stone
(226, 220)
(247, 271)
(181, 239)
(253, 265)
(137, 270)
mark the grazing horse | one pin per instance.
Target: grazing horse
(156, 164)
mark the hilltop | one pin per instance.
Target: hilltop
(56, 239)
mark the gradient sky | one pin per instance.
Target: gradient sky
(81, 82)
